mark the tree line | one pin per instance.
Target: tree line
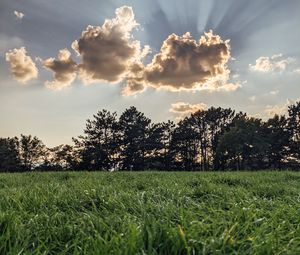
(212, 139)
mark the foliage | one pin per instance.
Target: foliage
(9, 158)
(294, 128)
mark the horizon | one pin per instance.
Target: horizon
(52, 82)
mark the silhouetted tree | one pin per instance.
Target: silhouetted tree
(99, 146)
(9, 158)
(32, 152)
(244, 145)
(211, 139)
(294, 128)
(209, 125)
(278, 137)
(185, 144)
(135, 131)
(62, 157)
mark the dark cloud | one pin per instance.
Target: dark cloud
(185, 64)
(135, 80)
(133, 87)
(64, 69)
(109, 51)
(22, 66)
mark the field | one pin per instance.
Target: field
(150, 213)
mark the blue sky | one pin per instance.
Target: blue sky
(256, 29)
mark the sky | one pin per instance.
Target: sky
(62, 61)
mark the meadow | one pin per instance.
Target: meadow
(150, 213)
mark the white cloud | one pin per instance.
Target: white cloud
(280, 109)
(252, 98)
(271, 110)
(19, 15)
(274, 92)
(297, 71)
(182, 109)
(275, 63)
(22, 66)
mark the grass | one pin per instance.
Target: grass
(150, 213)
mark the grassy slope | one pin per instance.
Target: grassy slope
(148, 212)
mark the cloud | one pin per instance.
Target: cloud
(271, 110)
(252, 98)
(64, 69)
(297, 71)
(135, 80)
(182, 107)
(221, 86)
(133, 88)
(275, 63)
(19, 15)
(185, 64)
(280, 109)
(274, 92)
(22, 66)
(109, 52)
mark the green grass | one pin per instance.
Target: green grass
(150, 213)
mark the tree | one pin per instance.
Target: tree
(63, 157)
(278, 137)
(185, 144)
(244, 145)
(209, 125)
(32, 152)
(215, 138)
(100, 142)
(9, 158)
(159, 153)
(135, 128)
(218, 121)
(294, 128)
(166, 147)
